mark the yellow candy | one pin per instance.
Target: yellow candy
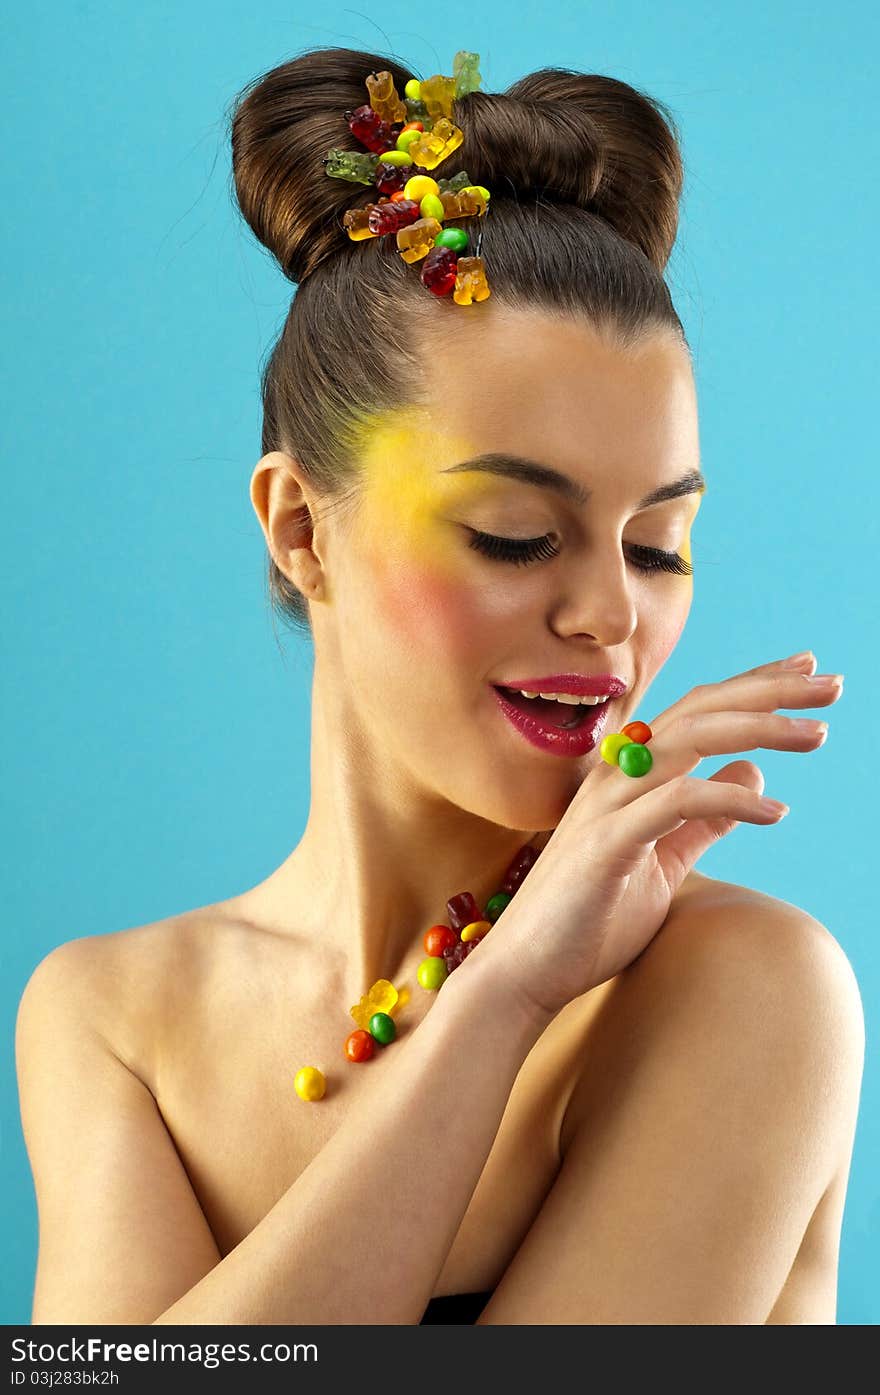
(398, 157)
(384, 98)
(381, 998)
(435, 145)
(411, 89)
(416, 240)
(467, 203)
(438, 94)
(309, 1083)
(406, 138)
(610, 746)
(470, 281)
(431, 207)
(420, 184)
(475, 929)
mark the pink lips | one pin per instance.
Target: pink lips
(557, 740)
(580, 684)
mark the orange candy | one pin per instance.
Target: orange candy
(359, 1046)
(637, 731)
(438, 938)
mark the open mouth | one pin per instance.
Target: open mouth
(548, 711)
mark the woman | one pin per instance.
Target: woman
(591, 1121)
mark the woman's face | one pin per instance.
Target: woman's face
(422, 624)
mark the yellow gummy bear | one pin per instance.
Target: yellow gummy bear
(438, 94)
(381, 998)
(435, 145)
(416, 240)
(384, 97)
(467, 203)
(470, 285)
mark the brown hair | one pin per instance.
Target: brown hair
(585, 175)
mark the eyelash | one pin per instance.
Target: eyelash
(524, 550)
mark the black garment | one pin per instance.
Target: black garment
(456, 1307)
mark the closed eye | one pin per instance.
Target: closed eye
(522, 551)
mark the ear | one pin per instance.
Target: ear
(283, 501)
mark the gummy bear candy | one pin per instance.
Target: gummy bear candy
(357, 165)
(437, 144)
(465, 204)
(416, 241)
(368, 127)
(438, 270)
(438, 93)
(470, 281)
(462, 910)
(356, 223)
(520, 866)
(384, 97)
(391, 217)
(390, 178)
(381, 998)
(466, 68)
(455, 184)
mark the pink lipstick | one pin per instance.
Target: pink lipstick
(539, 721)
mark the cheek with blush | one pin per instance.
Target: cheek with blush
(437, 617)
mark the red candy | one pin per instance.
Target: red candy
(516, 872)
(438, 939)
(438, 272)
(637, 731)
(391, 217)
(369, 128)
(459, 952)
(360, 1045)
(461, 910)
(390, 179)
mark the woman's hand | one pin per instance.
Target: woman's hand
(603, 884)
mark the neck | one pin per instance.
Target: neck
(379, 858)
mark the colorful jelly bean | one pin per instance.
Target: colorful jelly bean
(309, 1082)
(476, 930)
(635, 759)
(432, 972)
(496, 904)
(438, 939)
(359, 1045)
(383, 1028)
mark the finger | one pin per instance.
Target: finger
(678, 852)
(693, 737)
(760, 693)
(624, 839)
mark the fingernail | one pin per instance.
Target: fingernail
(797, 660)
(826, 680)
(773, 806)
(810, 727)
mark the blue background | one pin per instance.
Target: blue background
(155, 734)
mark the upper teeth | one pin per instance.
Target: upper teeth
(571, 698)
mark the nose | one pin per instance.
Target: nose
(594, 597)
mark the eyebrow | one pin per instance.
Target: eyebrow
(519, 467)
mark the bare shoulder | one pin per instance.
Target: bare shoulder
(781, 946)
(734, 965)
(121, 984)
(706, 1141)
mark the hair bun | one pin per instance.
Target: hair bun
(577, 138)
(283, 123)
(583, 139)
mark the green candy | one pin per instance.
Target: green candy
(383, 1027)
(431, 973)
(635, 759)
(496, 904)
(456, 238)
(400, 158)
